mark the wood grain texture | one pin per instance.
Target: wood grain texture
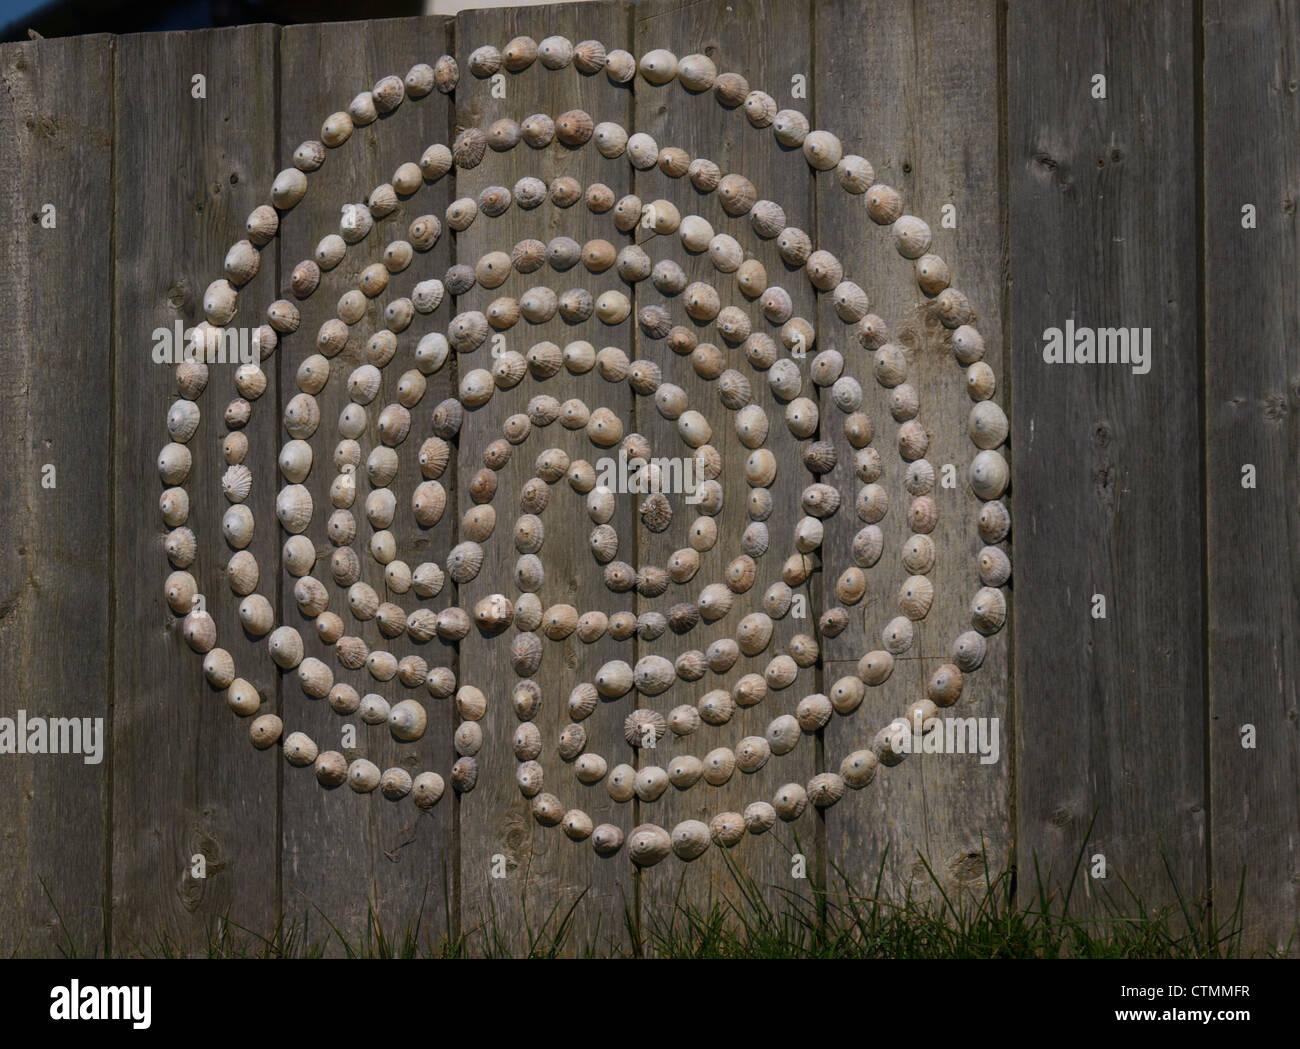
(1252, 132)
(347, 856)
(56, 371)
(549, 879)
(1124, 485)
(937, 144)
(1107, 474)
(186, 779)
(703, 128)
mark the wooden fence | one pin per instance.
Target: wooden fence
(1172, 720)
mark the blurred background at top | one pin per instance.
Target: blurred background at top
(19, 19)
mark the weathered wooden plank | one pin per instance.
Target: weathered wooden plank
(729, 34)
(186, 782)
(937, 144)
(348, 856)
(1253, 392)
(56, 297)
(545, 873)
(1107, 480)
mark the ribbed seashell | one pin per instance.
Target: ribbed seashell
(988, 610)
(345, 566)
(519, 54)
(719, 764)
(336, 129)
(954, 308)
(181, 546)
(989, 475)
(261, 225)
(913, 440)
(174, 463)
(485, 61)
(968, 348)
(691, 839)
(685, 771)
(867, 463)
(767, 218)
(427, 789)
(264, 731)
(987, 425)
(556, 52)
(644, 728)
(915, 596)
(285, 646)
(932, 274)
(813, 712)
(968, 651)
(825, 789)
(234, 447)
(293, 507)
(801, 414)
(182, 420)
(427, 580)
(796, 569)
(994, 566)
(846, 694)
(898, 635)
(243, 698)
(755, 540)
(574, 127)
(920, 477)
(760, 108)
(526, 654)
(658, 66)
(191, 379)
(884, 204)
(236, 524)
(697, 72)
(453, 624)
(464, 561)
(289, 187)
(790, 801)
(331, 769)
(872, 503)
(820, 500)
(329, 627)
(299, 554)
(351, 652)
(648, 844)
(538, 131)
(381, 467)
(912, 236)
(780, 672)
(918, 554)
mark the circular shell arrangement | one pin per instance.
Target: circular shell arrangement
(823, 397)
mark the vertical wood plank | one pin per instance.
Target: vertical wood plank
(348, 856)
(186, 779)
(56, 371)
(547, 875)
(1107, 476)
(936, 143)
(1252, 132)
(738, 37)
